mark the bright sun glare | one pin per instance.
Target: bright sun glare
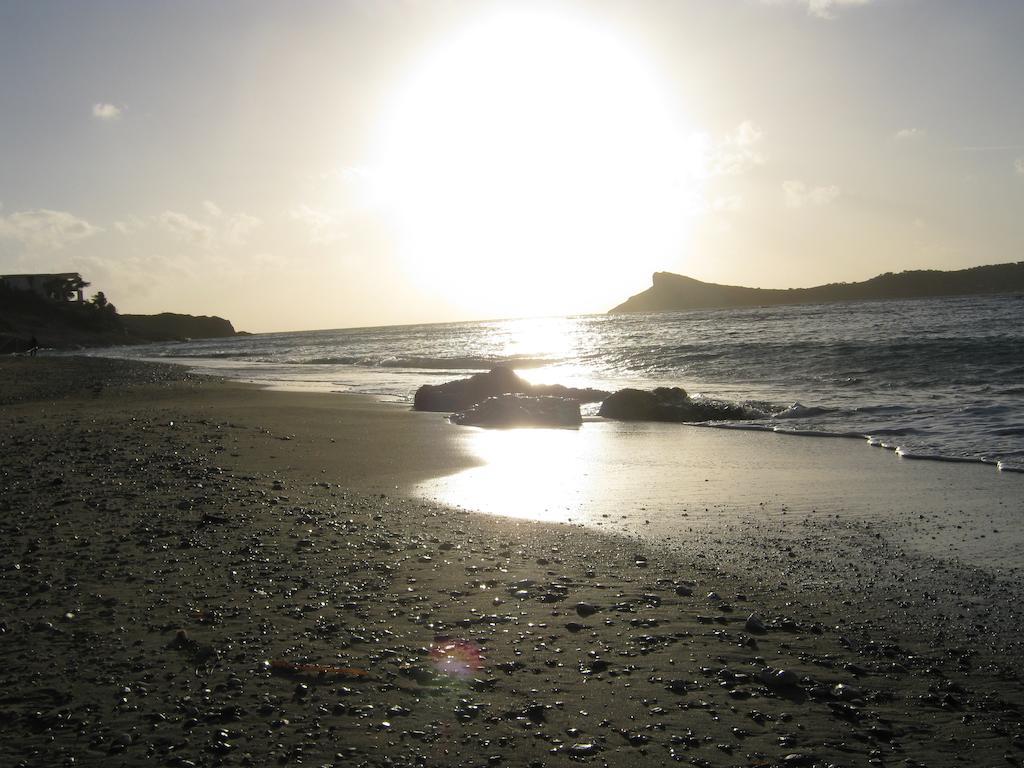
(533, 164)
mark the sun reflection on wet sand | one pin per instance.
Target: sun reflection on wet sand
(539, 474)
(665, 481)
(602, 470)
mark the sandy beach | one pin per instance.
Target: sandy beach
(196, 572)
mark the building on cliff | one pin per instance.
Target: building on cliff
(61, 286)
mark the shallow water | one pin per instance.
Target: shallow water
(936, 378)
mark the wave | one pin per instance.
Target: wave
(914, 455)
(470, 363)
(799, 411)
(344, 360)
(882, 409)
(201, 355)
(817, 433)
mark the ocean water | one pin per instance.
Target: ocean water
(939, 379)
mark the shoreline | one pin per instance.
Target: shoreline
(194, 530)
(399, 383)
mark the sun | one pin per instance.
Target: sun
(533, 164)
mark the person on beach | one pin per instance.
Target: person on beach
(33, 346)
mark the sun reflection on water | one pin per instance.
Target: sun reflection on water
(551, 340)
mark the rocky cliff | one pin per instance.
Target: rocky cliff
(671, 292)
(168, 326)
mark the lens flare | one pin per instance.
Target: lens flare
(456, 658)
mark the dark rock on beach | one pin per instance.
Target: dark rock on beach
(521, 411)
(461, 394)
(666, 404)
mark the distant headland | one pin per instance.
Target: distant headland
(50, 310)
(670, 292)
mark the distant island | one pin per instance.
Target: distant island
(50, 310)
(670, 292)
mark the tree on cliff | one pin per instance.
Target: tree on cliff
(101, 302)
(64, 288)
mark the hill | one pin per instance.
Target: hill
(168, 326)
(60, 323)
(670, 292)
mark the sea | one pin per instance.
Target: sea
(939, 379)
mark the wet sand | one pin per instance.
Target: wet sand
(669, 481)
(196, 572)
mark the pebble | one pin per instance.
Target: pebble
(755, 625)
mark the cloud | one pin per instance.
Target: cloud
(323, 228)
(799, 195)
(222, 230)
(822, 9)
(1018, 165)
(909, 134)
(238, 227)
(738, 152)
(129, 225)
(185, 228)
(104, 111)
(44, 229)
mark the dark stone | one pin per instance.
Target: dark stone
(586, 749)
(461, 394)
(666, 404)
(521, 411)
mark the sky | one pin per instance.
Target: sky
(310, 165)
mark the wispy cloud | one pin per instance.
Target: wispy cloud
(102, 110)
(737, 152)
(44, 229)
(322, 227)
(238, 226)
(797, 194)
(185, 228)
(128, 225)
(909, 134)
(1018, 165)
(822, 9)
(217, 230)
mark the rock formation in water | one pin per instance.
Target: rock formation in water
(670, 292)
(521, 411)
(666, 404)
(460, 394)
(169, 326)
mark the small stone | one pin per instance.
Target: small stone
(846, 692)
(755, 625)
(586, 609)
(677, 686)
(779, 678)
